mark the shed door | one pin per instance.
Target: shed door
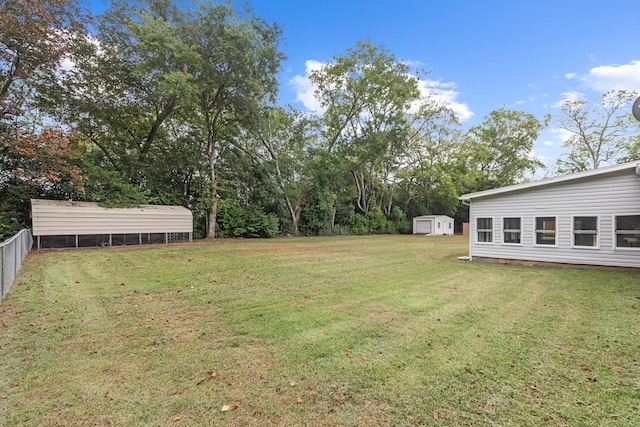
(423, 226)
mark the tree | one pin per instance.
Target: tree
(36, 156)
(286, 137)
(632, 147)
(366, 94)
(239, 62)
(131, 77)
(598, 134)
(427, 180)
(498, 151)
(163, 90)
(35, 36)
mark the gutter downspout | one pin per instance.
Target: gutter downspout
(467, 203)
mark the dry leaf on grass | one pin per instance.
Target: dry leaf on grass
(212, 374)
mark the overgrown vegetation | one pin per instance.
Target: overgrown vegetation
(367, 331)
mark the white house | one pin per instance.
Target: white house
(436, 225)
(590, 217)
(65, 224)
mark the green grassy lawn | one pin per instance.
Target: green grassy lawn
(340, 331)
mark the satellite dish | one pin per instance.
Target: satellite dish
(636, 109)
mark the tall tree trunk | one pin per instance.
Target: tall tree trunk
(294, 210)
(295, 215)
(211, 229)
(213, 213)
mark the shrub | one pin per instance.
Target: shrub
(372, 223)
(239, 221)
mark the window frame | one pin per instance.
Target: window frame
(617, 232)
(575, 232)
(485, 230)
(536, 231)
(512, 230)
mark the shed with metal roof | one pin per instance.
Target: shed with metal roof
(63, 224)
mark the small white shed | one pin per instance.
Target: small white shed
(436, 225)
(69, 224)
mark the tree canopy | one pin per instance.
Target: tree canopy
(164, 102)
(600, 133)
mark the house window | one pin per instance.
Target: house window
(546, 230)
(484, 228)
(511, 228)
(449, 226)
(438, 224)
(585, 231)
(628, 231)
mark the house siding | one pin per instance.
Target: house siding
(604, 196)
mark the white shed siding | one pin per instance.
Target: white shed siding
(52, 218)
(445, 224)
(423, 226)
(605, 196)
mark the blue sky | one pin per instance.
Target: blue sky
(482, 55)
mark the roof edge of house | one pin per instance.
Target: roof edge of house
(548, 181)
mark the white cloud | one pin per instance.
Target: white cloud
(445, 93)
(603, 79)
(569, 97)
(614, 77)
(304, 89)
(67, 64)
(414, 64)
(548, 143)
(526, 101)
(559, 135)
(442, 92)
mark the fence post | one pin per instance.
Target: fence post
(2, 256)
(17, 262)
